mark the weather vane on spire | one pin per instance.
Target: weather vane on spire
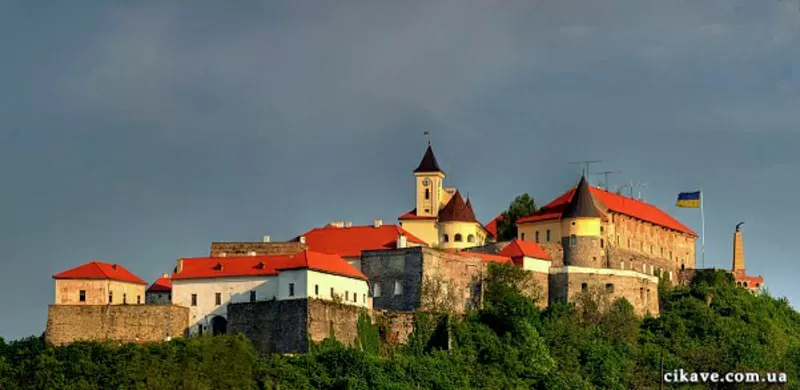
(428, 134)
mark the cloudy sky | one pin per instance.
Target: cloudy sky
(139, 133)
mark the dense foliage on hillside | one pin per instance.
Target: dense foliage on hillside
(510, 344)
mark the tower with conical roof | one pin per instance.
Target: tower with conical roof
(581, 223)
(429, 178)
(441, 217)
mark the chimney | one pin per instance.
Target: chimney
(266, 238)
(378, 223)
(349, 224)
(336, 224)
(302, 239)
(738, 252)
(402, 241)
(114, 267)
(165, 275)
(251, 253)
(179, 267)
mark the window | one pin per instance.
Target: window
(622, 265)
(333, 295)
(398, 287)
(573, 240)
(364, 298)
(194, 299)
(355, 297)
(316, 289)
(548, 235)
(537, 236)
(617, 239)
(169, 296)
(629, 243)
(470, 238)
(601, 229)
(252, 296)
(457, 237)
(522, 236)
(218, 299)
(291, 289)
(347, 295)
(427, 194)
(670, 255)
(602, 243)
(683, 266)
(584, 286)
(138, 299)
(609, 287)
(82, 296)
(641, 293)
(662, 251)
(573, 223)
(376, 290)
(445, 238)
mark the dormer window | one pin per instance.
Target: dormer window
(218, 267)
(458, 237)
(260, 265)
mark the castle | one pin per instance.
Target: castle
(283, 294)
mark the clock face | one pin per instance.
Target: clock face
(426, 182)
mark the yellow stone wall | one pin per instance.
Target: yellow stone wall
(424, 229)
(97, 291)
(430, 206)
(581, 227)
(465, 229)
(527, 231)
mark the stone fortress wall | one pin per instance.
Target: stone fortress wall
(120, 323)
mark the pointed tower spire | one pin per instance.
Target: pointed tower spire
(582, 203)
(456, 210)
(428, 163)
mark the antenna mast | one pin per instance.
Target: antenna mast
(586, 164)
(605, 174)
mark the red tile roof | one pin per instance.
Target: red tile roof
(413, 215)
(163, 284)
(350, 241)
(519, 248)
(100, 270)
(491, 227)
(614, 202)
(752, 281)
(216, 267)
(489, 258)
(486, 257)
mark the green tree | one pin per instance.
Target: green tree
(522, 206)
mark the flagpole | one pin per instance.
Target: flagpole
(703, 230)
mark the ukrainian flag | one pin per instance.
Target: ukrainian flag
(689, 199)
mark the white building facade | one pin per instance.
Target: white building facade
(207, 295)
